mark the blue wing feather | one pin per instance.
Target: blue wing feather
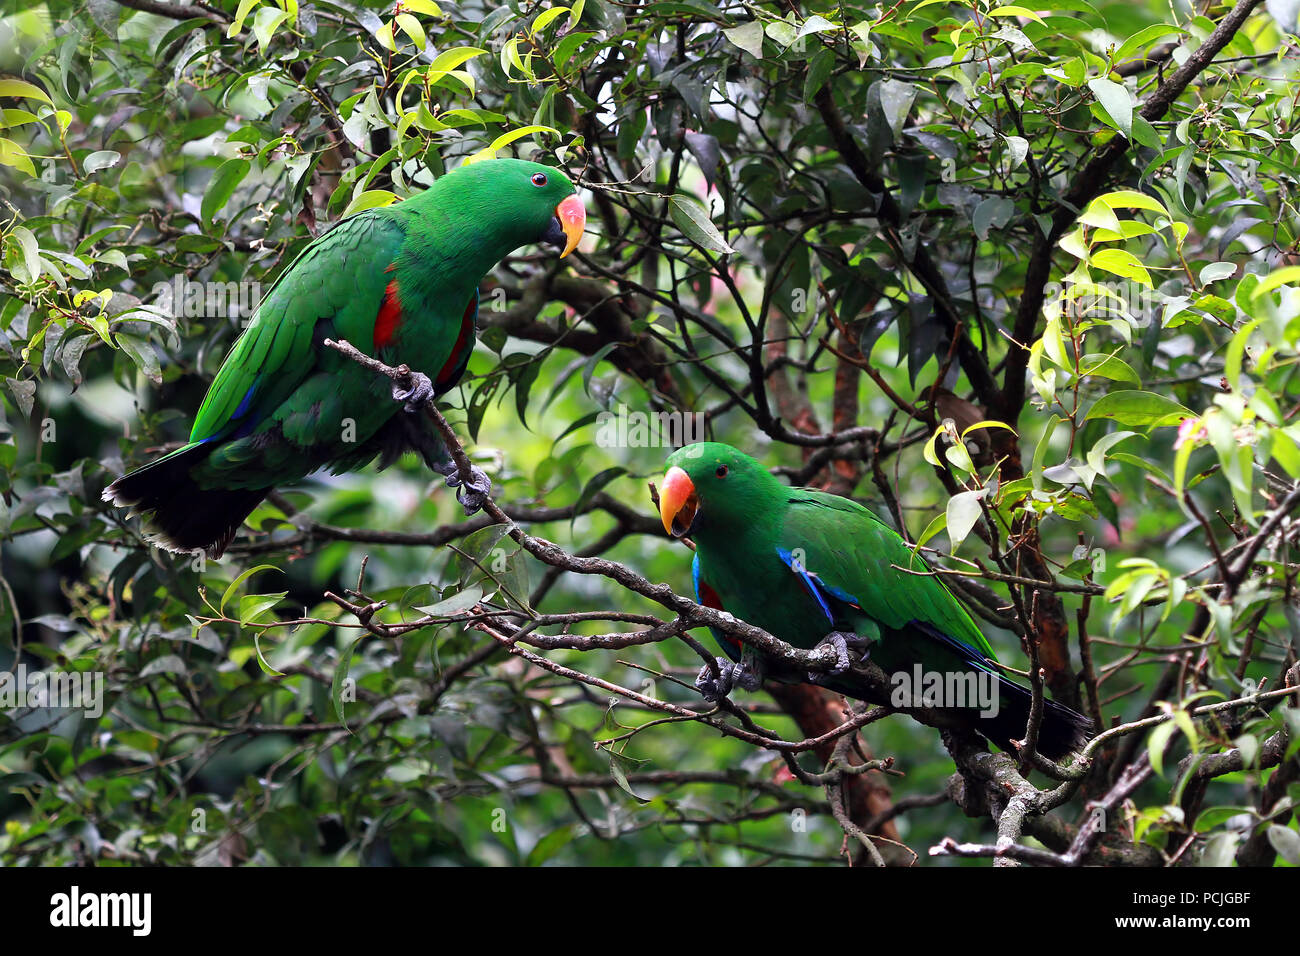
(817, 588)
(831, 600)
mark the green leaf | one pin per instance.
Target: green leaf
(167, 664)
(31, 258)
(1283, 276)
(411, 27)
(1122, 263)
(340, 676)
(24, 394)
(1216, 271)
(993, 213)
(962, 512)
(1116, 100)
(224, 182)
(545, 18)
(593, 486)
(505, 139)
(142, 354)
(453, 58)
(261, 660)
(1108, 366)
(241, 13)
(549, 845)
(747, 36)
(369, 199)
(616, 771)
(1014, 11)
(23, 89)
(1145, 37)
(1249, 747)
(13, 155)
(234, 585)
(782, 31)
(265, 22)
(937, 524)
(896, 99)
(815, 24)
(1156, 744)
(100, 159)
(1286, 842)
(694, 222)
(457, 604)
(253, 606)
(1131, 199)
(589, 367)
(1139, 409)
(819, 71)
(1212, 817)
(1220, 849)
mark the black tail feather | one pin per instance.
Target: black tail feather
(1062, 731)
(179, 514)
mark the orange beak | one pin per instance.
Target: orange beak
(678, 502)
(573, 220)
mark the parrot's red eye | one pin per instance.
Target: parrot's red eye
(539, 179)
(722, 471)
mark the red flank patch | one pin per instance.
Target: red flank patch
(389, 318)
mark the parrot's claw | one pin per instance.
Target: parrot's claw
(729, 675)
(418, 395)
(474, 493)
(748, 675)
(841, 642)
(715, 688)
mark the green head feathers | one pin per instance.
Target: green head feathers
(713, 489)
(475, 215)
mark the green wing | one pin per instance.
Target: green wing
(858, 558)
(339, 278)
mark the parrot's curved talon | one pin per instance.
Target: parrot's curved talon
(841, 642)
(747, 676)
(713, 690)
(474, 493)
(418, 395)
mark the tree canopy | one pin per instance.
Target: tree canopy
(1023, 279)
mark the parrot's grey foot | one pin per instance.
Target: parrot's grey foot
(715, 688)
(418, 395)
(841, 642)
(474, 493)
(729, 675)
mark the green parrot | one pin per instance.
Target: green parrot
(400, 283)
(813, 568)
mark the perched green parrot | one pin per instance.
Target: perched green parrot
(813, 568)
(400, 283)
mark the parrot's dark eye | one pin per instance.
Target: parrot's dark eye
(539, 179)
(722, 471)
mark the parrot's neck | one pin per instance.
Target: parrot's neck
(750, 531)
(464, 241)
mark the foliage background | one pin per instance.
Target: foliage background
(903, 226)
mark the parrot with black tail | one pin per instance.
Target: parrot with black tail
(401, 284)
(815, 569)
